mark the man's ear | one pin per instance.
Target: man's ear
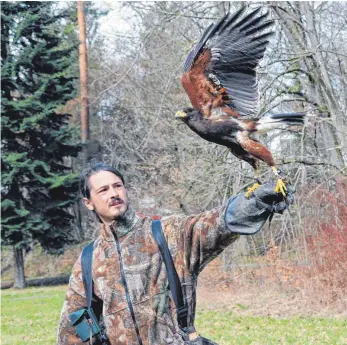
(88, 203)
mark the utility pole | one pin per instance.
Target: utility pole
(83, 79)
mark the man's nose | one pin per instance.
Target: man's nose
(113, 192)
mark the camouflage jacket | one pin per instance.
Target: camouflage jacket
(193, 242)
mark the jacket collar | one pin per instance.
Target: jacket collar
(121, 226)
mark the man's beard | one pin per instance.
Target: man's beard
(123, 223)
(125, 216)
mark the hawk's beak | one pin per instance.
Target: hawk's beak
(180, 115)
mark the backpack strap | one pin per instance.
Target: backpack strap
(87, 264)
(174, 281)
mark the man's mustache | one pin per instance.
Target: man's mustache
(116, 201)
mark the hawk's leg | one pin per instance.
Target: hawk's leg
(256, 176)
(280, 186)
(257, 183)
(259, 151)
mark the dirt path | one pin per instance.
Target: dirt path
(261, 302)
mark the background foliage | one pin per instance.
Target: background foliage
(38, 185)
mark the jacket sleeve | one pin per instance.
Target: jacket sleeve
(204, 236)
(74, 300)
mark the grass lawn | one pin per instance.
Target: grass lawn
(30, 317)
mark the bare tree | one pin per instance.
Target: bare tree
(313, 64)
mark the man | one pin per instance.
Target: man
(126, 244)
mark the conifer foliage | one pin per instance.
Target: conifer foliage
(37, 53)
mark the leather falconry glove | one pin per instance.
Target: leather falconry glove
(248, 215)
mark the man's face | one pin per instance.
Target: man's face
(108, 196)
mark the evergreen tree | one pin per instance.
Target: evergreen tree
(37, 55)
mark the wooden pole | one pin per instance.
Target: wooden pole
(83, 78)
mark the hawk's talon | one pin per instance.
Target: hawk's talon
(281, 187)
(250, 190)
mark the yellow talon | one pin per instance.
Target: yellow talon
(281, 187)
(250, 190)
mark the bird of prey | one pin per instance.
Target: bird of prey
(220, 80)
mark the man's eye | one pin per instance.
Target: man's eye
(102, 190)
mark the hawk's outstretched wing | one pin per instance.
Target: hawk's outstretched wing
(220, 76)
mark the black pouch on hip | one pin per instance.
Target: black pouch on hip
(86, 324)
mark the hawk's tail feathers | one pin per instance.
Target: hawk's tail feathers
(279, 121)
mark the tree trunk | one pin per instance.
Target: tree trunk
(19, 278)
(83, 79)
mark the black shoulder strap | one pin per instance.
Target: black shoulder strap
(174, 281)
(87, 263)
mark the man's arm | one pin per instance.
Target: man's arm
(203, 237)
(74, 300)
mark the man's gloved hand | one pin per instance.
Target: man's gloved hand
(247, 215)
(266, 197)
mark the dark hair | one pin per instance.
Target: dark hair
(91, 170)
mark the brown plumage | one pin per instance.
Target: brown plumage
(220, 80)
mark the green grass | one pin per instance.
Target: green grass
(30, 317)
(227, 329)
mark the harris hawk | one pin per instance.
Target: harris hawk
(221, 82)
